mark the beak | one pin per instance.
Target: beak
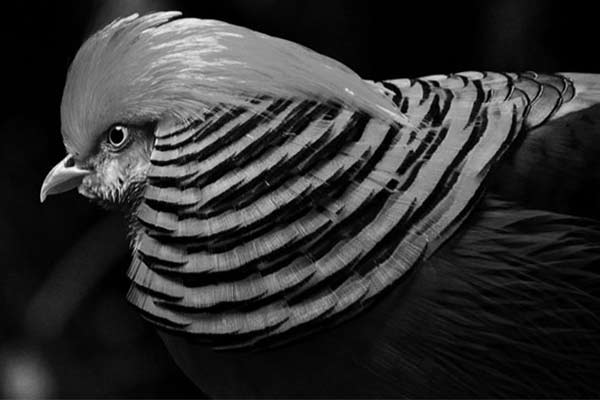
(64, 176)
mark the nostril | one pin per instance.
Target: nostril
(69, 162)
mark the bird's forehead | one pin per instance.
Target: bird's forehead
(106, 79)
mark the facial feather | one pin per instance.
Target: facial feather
(117, 177)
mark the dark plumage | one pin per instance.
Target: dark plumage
(298, 231)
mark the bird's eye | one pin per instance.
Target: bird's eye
(117, 135)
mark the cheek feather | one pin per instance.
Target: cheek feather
(106, 184)
(118, 177)
(114, 176)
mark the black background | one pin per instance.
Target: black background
(66, 328)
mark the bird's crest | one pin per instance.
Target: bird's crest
(160, 66)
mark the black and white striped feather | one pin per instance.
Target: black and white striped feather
(266, 219)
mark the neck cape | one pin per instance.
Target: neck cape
(268, 219)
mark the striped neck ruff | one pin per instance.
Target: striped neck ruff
(269, 217)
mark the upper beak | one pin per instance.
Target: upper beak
(64, 176)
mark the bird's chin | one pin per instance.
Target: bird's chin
(86, 192)
(97, 198)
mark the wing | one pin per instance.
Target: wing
(266, 220)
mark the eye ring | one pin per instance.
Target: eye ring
(117, 136)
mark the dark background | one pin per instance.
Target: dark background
(66, 328)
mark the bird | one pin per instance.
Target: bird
(299, 231)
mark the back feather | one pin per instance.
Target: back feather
(556, 166)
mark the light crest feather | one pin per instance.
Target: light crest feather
(159, 66)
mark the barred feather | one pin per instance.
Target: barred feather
(305, 211)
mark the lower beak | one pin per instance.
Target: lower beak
(64, 176)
